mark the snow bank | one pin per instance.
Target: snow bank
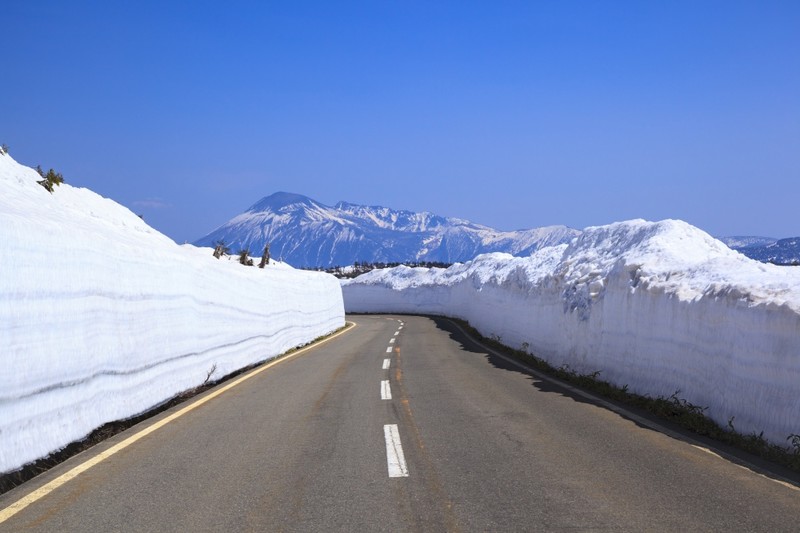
(659, 307)
(102, 317)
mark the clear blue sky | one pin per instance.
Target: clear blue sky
(510, 114)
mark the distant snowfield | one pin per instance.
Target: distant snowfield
(102, 317)
(660, 307)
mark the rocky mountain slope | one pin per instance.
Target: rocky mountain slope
(767, 250)
(306, 233)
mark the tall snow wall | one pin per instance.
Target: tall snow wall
(102, 317)
(660, 307)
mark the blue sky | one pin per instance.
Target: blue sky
(510, 114)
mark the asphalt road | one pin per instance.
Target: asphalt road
(478, 445)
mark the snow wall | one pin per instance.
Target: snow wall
(659, 307)
(102, 317)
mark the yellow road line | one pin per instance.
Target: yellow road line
(47, 488)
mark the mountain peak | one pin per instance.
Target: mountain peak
(306, 233)
(279, 200)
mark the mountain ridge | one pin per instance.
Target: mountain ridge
(766, 249)
(307, 233)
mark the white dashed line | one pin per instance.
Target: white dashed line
(395, 460)
(396, 333)
(391, 341)
(386, 390)
(388, 349)
(386, 363)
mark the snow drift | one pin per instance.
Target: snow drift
(659, 307)
(102, 317)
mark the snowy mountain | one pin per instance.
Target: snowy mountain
(656, 306)
(740, 242)
(102, 317)
(767, 249)
(306, 233)
(781, 252)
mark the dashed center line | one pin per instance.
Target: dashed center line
(395, 460)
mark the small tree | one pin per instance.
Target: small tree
(52, 178)
(4, 149)
(244, 257)
(265, 257)
(220, 249)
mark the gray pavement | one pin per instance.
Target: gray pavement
(487, 447)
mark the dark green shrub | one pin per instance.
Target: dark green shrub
(51, 179)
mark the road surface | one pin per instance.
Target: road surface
(399, 424)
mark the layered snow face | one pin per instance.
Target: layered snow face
(660, 307)
(309, 234)
(102, 317)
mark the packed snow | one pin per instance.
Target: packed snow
(660, 307)
(102, 317)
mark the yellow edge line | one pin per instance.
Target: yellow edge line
(46, 489)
